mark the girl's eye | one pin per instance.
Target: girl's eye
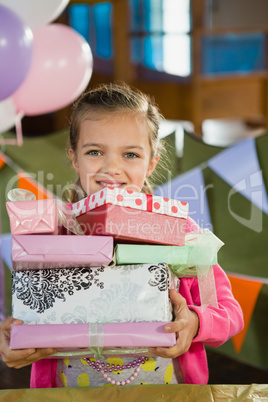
(94, 152)
(131, 155)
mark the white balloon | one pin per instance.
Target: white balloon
(36, 13)
(8, 116)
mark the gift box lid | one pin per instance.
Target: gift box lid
(132, 199)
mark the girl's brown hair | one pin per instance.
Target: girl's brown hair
(110, 98)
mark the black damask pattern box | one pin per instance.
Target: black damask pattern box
(125, 293)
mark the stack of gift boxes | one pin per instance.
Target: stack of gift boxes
(107, 288)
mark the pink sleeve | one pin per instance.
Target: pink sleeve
(217, 325)
(43, 373)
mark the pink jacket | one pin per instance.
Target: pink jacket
(217, 325)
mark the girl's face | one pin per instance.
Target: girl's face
(113, 151)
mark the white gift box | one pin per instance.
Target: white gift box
(125, 293)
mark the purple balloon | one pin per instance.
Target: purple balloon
(16, 48)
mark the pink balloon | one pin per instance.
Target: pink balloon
(60, 71)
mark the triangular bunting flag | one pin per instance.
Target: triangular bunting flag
(239, 167)
(31, 185)
(5, 241)
(189, 187)
(2, 161)
(2, 290)
(246, 293)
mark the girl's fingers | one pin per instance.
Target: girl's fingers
(25, 357)
(18, 358)
(171, 353)
(12, 357)
(175, 326)
(178, 301)
(18, 354)
(6, 324)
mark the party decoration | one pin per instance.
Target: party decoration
(2, 284)
(2, 161)
(246, 292)
(60, 71)
(25, 182)
(36, 13)
(9, 118)
(7, 114)
(15, 51)
(5, 241)
(189, 187)
(239, 167)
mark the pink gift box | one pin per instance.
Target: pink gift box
(133, 216)
(44, 251)
(38, 216)
(73, 336)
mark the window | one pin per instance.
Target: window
(233, 53)
(160, 37)
(94, 23)
(159, 33)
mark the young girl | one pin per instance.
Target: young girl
(114, 142)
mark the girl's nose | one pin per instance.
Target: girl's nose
(111, 166)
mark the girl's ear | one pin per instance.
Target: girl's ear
(74, 160)
(152, 165)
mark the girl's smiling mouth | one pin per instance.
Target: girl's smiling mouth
(110, 183)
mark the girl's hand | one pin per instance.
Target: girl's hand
(186, 326)
(18, 358)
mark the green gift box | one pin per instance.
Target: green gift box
(183, 260)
